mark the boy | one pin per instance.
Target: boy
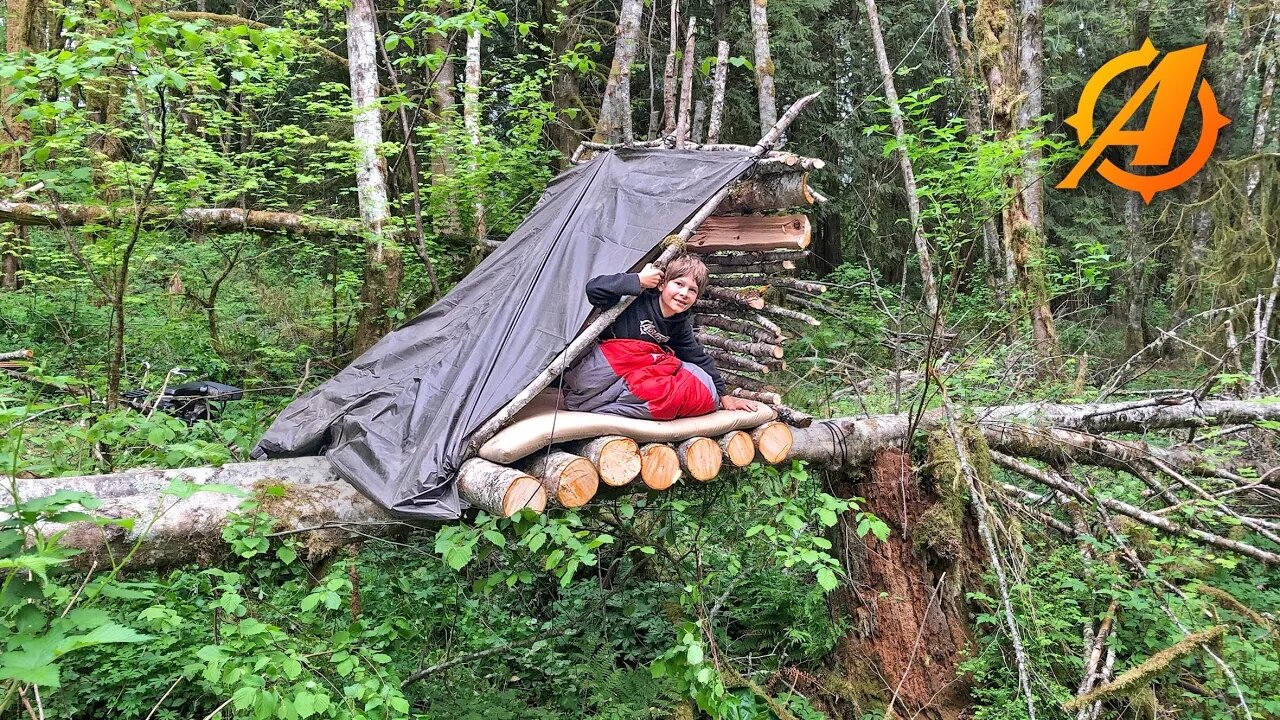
(649, 364)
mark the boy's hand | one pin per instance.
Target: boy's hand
(731, 402)
(650, 276)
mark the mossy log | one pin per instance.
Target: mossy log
(700, 457)
(779, 191)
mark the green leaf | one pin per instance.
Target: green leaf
(694, 654)
(244, 697)
(304, 703)
(28, 667)
(286, 554)
(495, 537)
(827, 579)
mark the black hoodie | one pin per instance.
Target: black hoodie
(643, 320)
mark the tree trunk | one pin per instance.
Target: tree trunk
(768, 192)
(764, 64)
(1138, 268)
(905, 599)
(616, 458)
(738, 448)
(717, 92)
(614, 123)
(570, 481)
(1000, 46)
(471, 118)
(383, 265)
(774, 442)
(18, 27)
(669, 74)
(207, 219)
(572, 120)
(923, 254)
(686, 85)
(751, 232)
(443, 106)
(1262, 117)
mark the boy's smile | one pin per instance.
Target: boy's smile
(678, 295)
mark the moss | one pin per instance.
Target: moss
(1131, 681)
(1226, 600)
(938, 531)
(940, 527)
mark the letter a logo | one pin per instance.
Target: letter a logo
(1169, 87)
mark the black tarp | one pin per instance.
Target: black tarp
(395, 422)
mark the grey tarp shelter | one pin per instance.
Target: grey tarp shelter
(395, 423)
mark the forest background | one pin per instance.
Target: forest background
(139, 136)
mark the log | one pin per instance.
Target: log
(735, 297)
(789, 314)
(751, 232)
(768, 398)
(499, 490)
(769, 325)
(23, 354)
(209, 219)
(700, 457)
(786, 162)
(570, 480)
(724, 359)
(773, 441)
(747, 383)
(791, 416)
(752, 258)
(754, 349)
(776, 267)
(616, 458)
(762, 193)
(303, 496)
(659, 466)
(735, 325)
(738, 448)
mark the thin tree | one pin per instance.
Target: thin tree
(929, 285)
(615, 109)
(764, 64)
(383, 265)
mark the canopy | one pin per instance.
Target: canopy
(395, 423)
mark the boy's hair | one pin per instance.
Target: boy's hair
(686, 265)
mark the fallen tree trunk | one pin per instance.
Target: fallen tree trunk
(216, 219)
(303, 495)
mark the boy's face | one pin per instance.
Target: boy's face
(678, 295)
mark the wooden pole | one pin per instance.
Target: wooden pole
(588, 336)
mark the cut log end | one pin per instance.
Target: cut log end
(570, 480)
(700, 457)
(500, 490)
(616, 458)
(773, 441)
(659, 466)
(738, 448)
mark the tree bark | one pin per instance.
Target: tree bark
(383, 265)
(686, 85)
(659, 466)
(929, 287)
(19, 17)
(717, 92)
(669, 74)
(751, 232)
(738, 448)
(471, 118)
(768, 192)
(614, 123)
(570, 481)
(1138, 270)
(774, 442)
(1000, 46)
(616, 458)
(763, 64)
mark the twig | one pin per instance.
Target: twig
(163, 697)
(482, 654)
